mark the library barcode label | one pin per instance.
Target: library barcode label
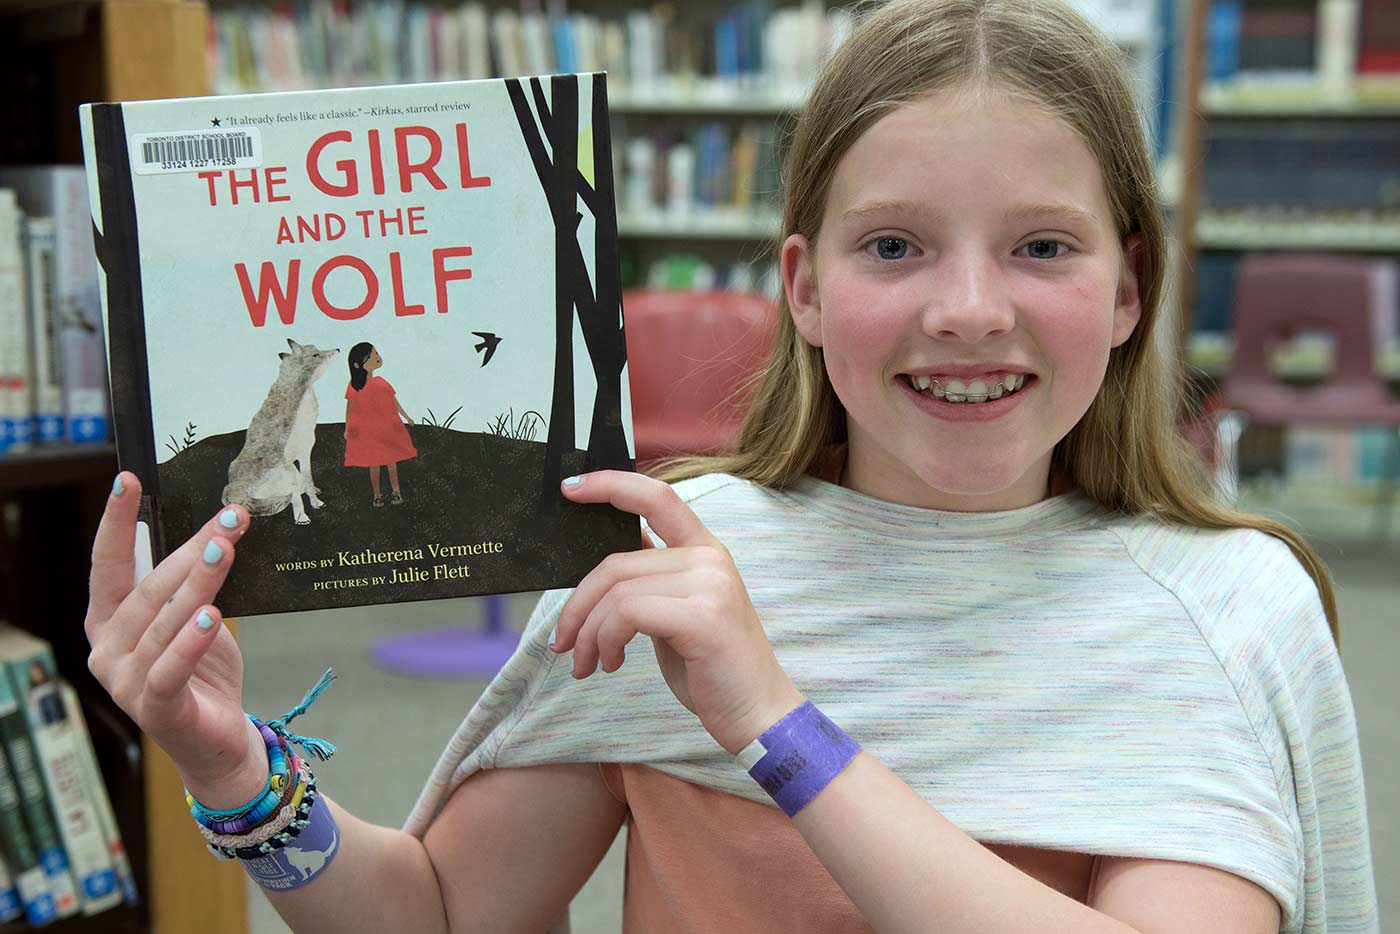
(196, 151)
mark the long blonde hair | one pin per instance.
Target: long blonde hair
(1125, 452)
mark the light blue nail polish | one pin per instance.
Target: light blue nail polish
(572, 481)
(229, 519)
(117, 488)
(212, 553)
(204, 620)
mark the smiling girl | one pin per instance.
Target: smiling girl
(961, 604)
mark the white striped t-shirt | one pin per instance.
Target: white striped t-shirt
(1057, 676)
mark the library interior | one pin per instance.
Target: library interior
(1273, 125)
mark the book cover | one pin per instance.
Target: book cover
(33, 677)
(35, 808)
(388, 321)
(60, 192)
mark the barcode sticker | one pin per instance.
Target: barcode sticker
(196, 150)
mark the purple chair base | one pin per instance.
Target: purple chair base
(452, 653)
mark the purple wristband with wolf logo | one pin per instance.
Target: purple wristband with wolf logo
(303, 858)
(798, 756)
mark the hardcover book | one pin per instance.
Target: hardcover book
(386, 320)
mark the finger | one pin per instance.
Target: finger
(200, 586)
(610, 572)
(630, 601)
(172, 670)
(645, 613)
(666, 513)
(112, 550)
(134, 616)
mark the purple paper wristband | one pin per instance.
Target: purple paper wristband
(798, 756)
(303, 858)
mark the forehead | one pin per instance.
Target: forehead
(969, 153)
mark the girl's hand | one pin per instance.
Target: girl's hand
(689, 598)
(182, 682)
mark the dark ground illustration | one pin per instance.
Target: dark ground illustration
(463, 488)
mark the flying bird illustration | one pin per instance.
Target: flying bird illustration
(488, 344)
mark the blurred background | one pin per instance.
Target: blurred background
(1276, 128)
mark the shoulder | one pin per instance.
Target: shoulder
(380, 382)
(1239, 585)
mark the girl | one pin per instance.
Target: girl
(961, 604)
(374, 433)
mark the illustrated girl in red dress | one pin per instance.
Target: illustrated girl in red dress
(374, 432)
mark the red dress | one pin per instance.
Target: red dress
(375, 433)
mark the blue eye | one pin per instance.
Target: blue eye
(1037, 249)
(891, 248)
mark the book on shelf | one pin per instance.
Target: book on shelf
(60, 192)
(58, 897)
(45, 348)
(28, 664)
(16, 368)
(32, 892)
(303, 289)
(11, 903)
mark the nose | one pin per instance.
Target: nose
(969, 301)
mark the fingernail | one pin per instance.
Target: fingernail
(117, 488)
(229, 519)
(572, 481)
(204, 620)
(553, 635)
(212, 553)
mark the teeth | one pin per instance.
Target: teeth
(955, 390)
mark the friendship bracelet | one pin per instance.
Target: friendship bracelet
(301, 860)
(797, 757)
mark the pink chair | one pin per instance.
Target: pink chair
(1277, 296)
(687, 354)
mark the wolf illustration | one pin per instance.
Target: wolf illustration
(309, 862)
(274, 468)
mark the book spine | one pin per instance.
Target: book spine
(116, 237)
(56, 745)
(34, 803)
(97, 794)
(32, 888)
(47, 423)
(14, 344)
(1337, 39)
(80, 311)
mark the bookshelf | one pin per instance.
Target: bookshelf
(54, 57)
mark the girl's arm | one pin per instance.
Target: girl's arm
(402, 412)
(908, 868)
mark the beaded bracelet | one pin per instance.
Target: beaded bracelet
(280, 758)
(299, 823)
(277, 824)
(286, 801)
(256, 810)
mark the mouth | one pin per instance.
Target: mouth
(987, 389)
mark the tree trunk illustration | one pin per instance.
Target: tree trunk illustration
(600, 315)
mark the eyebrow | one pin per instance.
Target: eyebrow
(1024, 212)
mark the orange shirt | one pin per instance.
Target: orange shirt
(701, 861)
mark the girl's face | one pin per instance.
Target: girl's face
(968, 238)
(373, 361)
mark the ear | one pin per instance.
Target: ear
(283, 356)
(1127, 307)
(799, 270)
(293, 344)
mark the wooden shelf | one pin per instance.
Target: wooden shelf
(68, 53)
